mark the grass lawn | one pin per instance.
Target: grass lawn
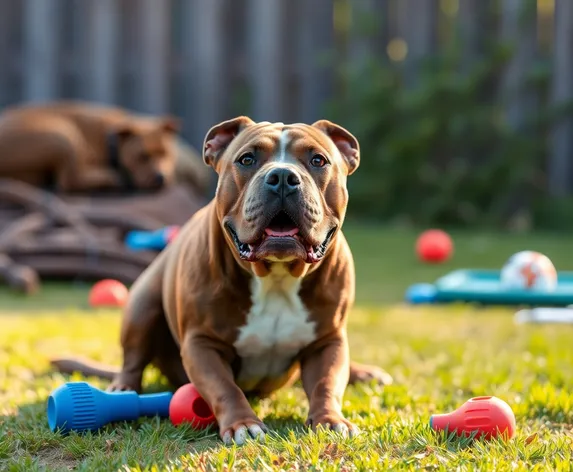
(439, 357)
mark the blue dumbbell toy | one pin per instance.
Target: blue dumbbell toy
(155, 240)
(78, 406)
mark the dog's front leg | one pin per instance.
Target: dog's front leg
(324, 372)
(99, 179)
(207, 365)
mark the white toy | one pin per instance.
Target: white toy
(529, 270)
(545, 315)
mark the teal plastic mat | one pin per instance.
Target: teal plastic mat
(484, 286)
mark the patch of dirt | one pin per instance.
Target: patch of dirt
(53, 458)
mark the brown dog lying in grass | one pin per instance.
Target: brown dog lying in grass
(75, 147)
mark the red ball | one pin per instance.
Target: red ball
(187, 406)
(487, 417)
(434, 245)
(108, 293)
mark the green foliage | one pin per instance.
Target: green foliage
(437, 145)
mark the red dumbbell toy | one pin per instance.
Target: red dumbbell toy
(187, 406)
(434, 246)
(489, 416)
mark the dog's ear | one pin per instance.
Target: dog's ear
(345, 141)
(124, 130)
(220, 136)
(170, 123)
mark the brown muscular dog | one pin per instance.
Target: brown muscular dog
(80, 147)
(259, 283)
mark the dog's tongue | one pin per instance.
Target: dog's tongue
(281, 234)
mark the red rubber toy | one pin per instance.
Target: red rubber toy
(187, 406)
(434, 246)
(108, 293)
(489, 416)
(172, 233)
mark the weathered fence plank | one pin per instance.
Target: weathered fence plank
(419, 30)
(473, 29)
(315, 43)
(153, 60)
(518, 30)
(204, 66)
(102, 27)
(41, 25)
(360, 45)
(6, 57)
(560, 161)
(369, 31)
(266, 66)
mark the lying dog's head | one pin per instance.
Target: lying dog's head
(282, 192)
(146, 151)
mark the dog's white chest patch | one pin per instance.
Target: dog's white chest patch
(277, 327)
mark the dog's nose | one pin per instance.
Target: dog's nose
(159, 179)
(282, 180)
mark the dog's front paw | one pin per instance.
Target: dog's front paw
(239, 430)
(121, 384)
(333, 421)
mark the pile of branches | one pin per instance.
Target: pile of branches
(44, 236)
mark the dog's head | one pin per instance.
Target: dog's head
(146, 151)
(282, 194)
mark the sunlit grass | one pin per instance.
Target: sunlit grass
(439, 357)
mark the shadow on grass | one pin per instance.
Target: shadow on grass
(282, 425)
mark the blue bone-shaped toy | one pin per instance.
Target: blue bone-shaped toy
(78, 406)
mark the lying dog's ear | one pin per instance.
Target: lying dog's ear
(345, 141)
(125, 130)
(171, 124)
(219, 137)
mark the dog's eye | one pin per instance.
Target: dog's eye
(247, 159)
(144, 157)
(318, 161)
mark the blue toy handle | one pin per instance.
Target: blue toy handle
(77, 406)
(155, 404)
(142, 240)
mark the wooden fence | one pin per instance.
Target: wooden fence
(206, 60)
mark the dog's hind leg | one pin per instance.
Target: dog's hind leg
(168, 358)
(142, 327)
(360, 373)
(72, 157)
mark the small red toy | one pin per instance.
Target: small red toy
(489, 416)
(172, 233)
(187, 406)
(434, 246)
(108, 293)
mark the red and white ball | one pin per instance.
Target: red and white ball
(529, 270)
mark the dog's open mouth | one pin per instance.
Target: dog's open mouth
(281, 240)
